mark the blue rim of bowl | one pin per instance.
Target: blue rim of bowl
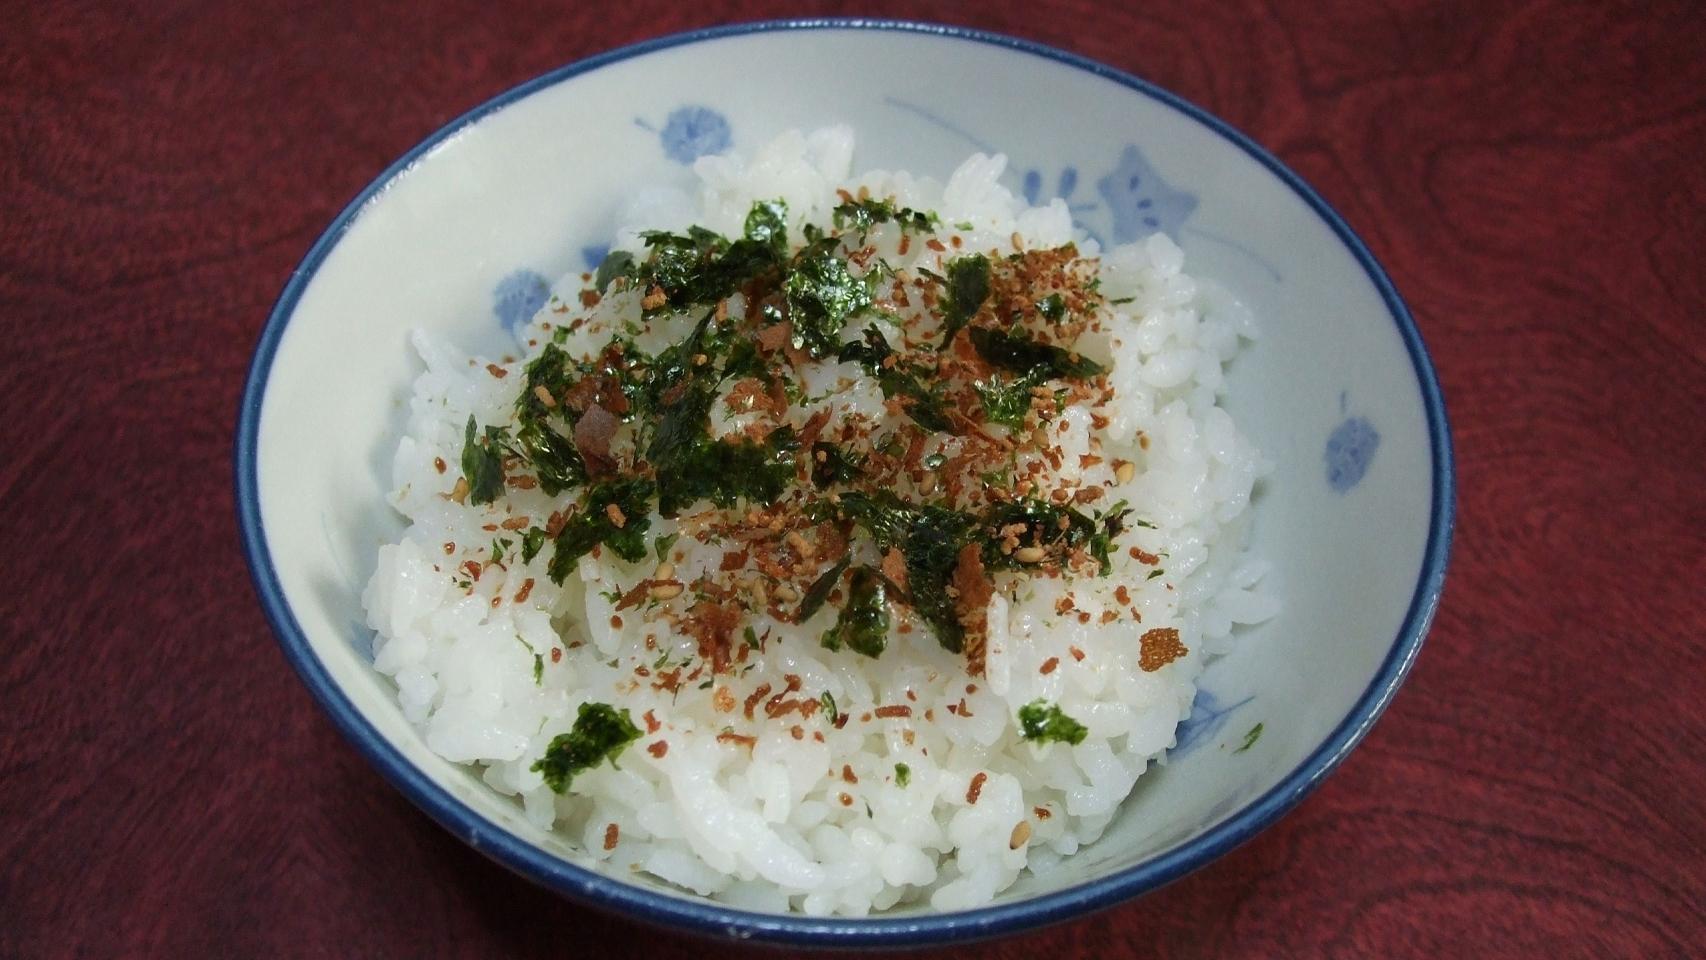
(702, 916)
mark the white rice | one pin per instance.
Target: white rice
(779, 826)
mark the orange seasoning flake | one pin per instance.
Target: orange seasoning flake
(976, 787)
(971, 604)
(753, 699)
(712, 625)
(1160, 647)
(611, 834)
(894, 567)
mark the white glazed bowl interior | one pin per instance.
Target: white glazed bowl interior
(459, 236)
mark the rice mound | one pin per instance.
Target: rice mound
(798, 813)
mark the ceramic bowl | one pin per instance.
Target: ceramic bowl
(462, 234)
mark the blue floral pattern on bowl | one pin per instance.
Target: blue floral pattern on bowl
(1209, 713)
(1134, 200)
(1140, 202)
(691, 132)
(1349, 451)
(518, 296)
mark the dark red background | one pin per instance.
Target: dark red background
(1531, 176)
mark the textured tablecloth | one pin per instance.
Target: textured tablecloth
(1530, 175)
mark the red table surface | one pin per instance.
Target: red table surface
(1530, 175)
